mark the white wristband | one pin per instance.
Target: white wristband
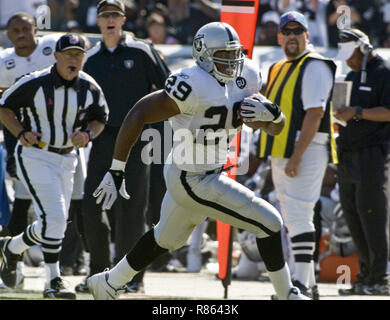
(279, 119)
(118, 165)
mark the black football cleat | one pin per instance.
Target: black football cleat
(8, 265)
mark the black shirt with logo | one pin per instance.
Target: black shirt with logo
(374, 93)
(131, 71)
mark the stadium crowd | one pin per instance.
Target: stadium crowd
(176, 22)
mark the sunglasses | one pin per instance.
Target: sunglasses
(295, 31)
(107, 14)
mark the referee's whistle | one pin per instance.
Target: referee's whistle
(41, 144)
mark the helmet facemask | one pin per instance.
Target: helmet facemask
(214, 38)
(229, 68)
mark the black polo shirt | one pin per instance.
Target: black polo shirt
(131, 71)
(374, 93)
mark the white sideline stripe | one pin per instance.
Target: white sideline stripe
(236, 9)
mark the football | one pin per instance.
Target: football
(256, 124)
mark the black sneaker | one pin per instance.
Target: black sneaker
(377, 290)
(57, 290)
(82, 287)
(8, 265)
(304, 290)
(315, 294)
(357, 288)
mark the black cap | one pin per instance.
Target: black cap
(116, 3)
(70, 41)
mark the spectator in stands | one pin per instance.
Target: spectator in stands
(158, 31)
(190, 15)
(73, 27)
(385, 35)
(315, 13)
(85, 14)
(362, 14)
(371, 19)
(386, 41)
(333, 13)
(268, 30)
(61, 11)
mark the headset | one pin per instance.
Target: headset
(364, 45)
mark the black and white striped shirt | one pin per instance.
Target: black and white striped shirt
(55, 107)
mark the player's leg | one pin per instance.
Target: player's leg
(172, 231)
(221, 198)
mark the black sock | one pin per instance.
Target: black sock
(271, 251)
(144, 252)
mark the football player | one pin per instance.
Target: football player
(203, 103)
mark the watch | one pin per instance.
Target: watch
(358, 114)
(90, 134)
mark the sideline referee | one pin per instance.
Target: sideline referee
(127, 69)
(63, 108)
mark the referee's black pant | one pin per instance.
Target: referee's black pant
(364, 197)
(128, 216)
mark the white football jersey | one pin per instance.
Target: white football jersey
(12, 66)
(209, 116)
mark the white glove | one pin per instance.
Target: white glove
(258, 108)
(108, 189)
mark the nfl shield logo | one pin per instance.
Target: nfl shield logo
(128, 63)
(73, 39)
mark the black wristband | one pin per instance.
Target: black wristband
(117, 175)
(358, 114)
(90, 134)
(21, 133)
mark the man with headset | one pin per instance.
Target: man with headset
(363, 151)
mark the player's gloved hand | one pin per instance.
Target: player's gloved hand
(112, 182)
(258, 108)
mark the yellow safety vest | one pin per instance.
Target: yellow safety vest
(284, 89)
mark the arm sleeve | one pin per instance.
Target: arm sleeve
(317, 83)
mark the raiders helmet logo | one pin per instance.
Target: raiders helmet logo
(47, 51)
(128, 63)
(241, 82)
(198, 42)
(9, 64)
